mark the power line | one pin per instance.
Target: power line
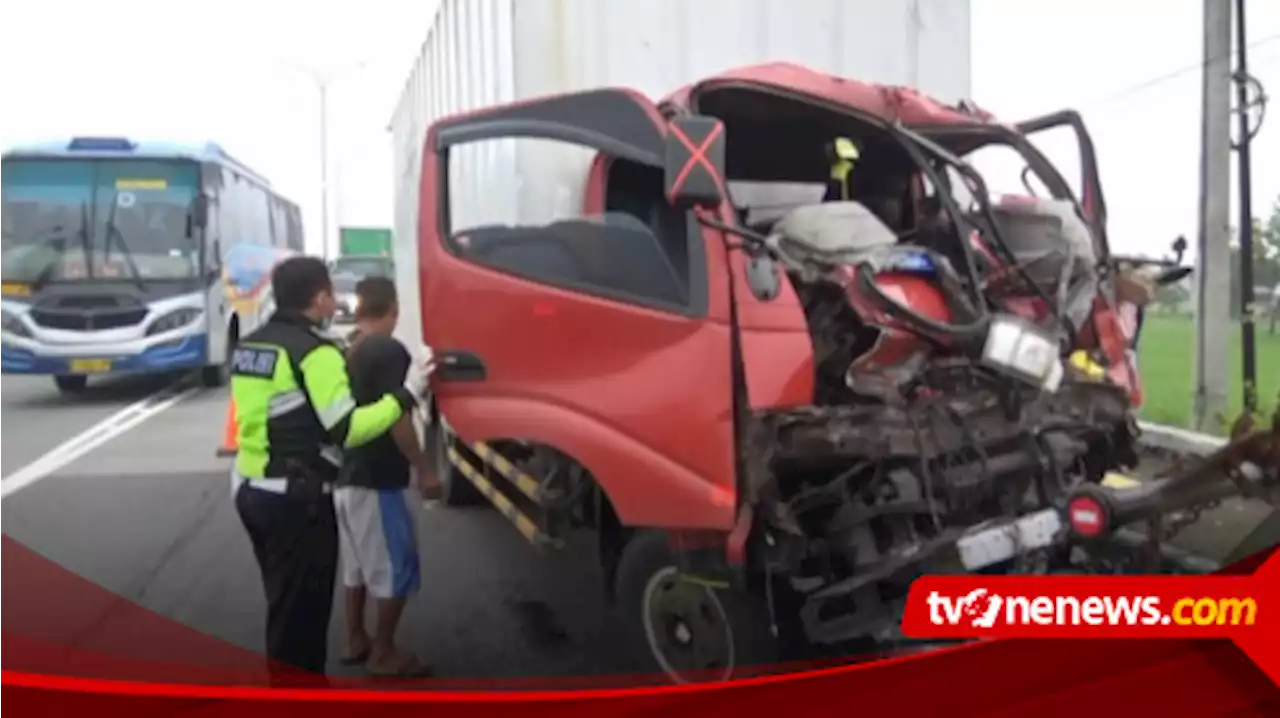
(1173, 74)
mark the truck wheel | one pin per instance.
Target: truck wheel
(688, 631)
(71, 383)
(456, 489)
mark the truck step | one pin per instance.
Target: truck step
(525, 525)
(523, 482)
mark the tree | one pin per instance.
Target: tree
(1266, 259)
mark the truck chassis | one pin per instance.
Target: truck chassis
(667, 587)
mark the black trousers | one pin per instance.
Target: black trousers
(295, 540)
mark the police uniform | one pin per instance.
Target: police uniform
(296, 413)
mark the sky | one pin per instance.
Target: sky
(243, 74)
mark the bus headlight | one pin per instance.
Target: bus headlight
(15, 326)
(175, 319)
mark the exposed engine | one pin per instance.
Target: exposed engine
(934, 413)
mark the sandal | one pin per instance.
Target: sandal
(410, 667)
(357, 659)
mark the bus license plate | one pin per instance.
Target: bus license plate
(90, 366)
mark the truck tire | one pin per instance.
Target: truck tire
(71, 383)
(456, 490)
(684, 630)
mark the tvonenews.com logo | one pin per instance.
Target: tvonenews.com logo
(980, 608)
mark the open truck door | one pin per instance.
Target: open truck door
(600, 335)
(1114, 324)
(1089, 187)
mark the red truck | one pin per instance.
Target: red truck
(785, 356)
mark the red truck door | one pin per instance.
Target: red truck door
(597, 333)
(1088, 187)
(1106, 330)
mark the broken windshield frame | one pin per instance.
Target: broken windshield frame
(977, 187)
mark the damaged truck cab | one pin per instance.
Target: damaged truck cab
(774, 393)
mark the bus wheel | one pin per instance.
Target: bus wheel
(71, 383)
(212, 377)
(457, 490)
(688, 631)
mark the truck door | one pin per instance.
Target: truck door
(595, 333)
(1112, 327)
(1089, 188)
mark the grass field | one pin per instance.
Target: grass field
(1167, 359)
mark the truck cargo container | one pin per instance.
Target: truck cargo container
(478, 53)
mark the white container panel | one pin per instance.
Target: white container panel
(484, 52)
(466, 62)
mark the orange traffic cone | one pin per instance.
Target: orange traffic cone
(230, 432)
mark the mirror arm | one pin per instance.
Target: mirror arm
(753, 243)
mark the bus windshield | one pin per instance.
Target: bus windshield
(75, 220)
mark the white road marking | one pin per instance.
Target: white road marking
(93, 437)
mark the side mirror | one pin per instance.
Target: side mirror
(200, 211)
(694, 169)
(214, 262)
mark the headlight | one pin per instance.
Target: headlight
(176, 319)
(350, 301)
(1017, 347)
(15, 326)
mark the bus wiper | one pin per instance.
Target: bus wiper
(114, 232)
(84, 239)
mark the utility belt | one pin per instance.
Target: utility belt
(300, 482)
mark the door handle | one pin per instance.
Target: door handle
(460, 365)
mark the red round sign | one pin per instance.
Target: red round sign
(1087, 516)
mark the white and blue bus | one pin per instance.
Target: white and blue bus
(135, 257)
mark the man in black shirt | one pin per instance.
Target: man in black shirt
(374, 501)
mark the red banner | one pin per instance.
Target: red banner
(71, 647)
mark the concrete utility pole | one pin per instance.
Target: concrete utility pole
(322, 80)
(1213, 254)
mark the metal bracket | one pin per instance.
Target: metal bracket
(762, 277)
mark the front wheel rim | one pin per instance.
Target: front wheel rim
(687, 628)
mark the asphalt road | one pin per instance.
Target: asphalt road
(146, 513)
(148, 516)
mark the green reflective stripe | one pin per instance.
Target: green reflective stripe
(282, 404)
(337, 411)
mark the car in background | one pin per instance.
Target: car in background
(344, 290)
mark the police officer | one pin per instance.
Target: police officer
(296, 414)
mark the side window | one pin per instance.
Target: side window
(1002, 169)
(255, 212)
(211, 186)
(515, 205)
(295, 229)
